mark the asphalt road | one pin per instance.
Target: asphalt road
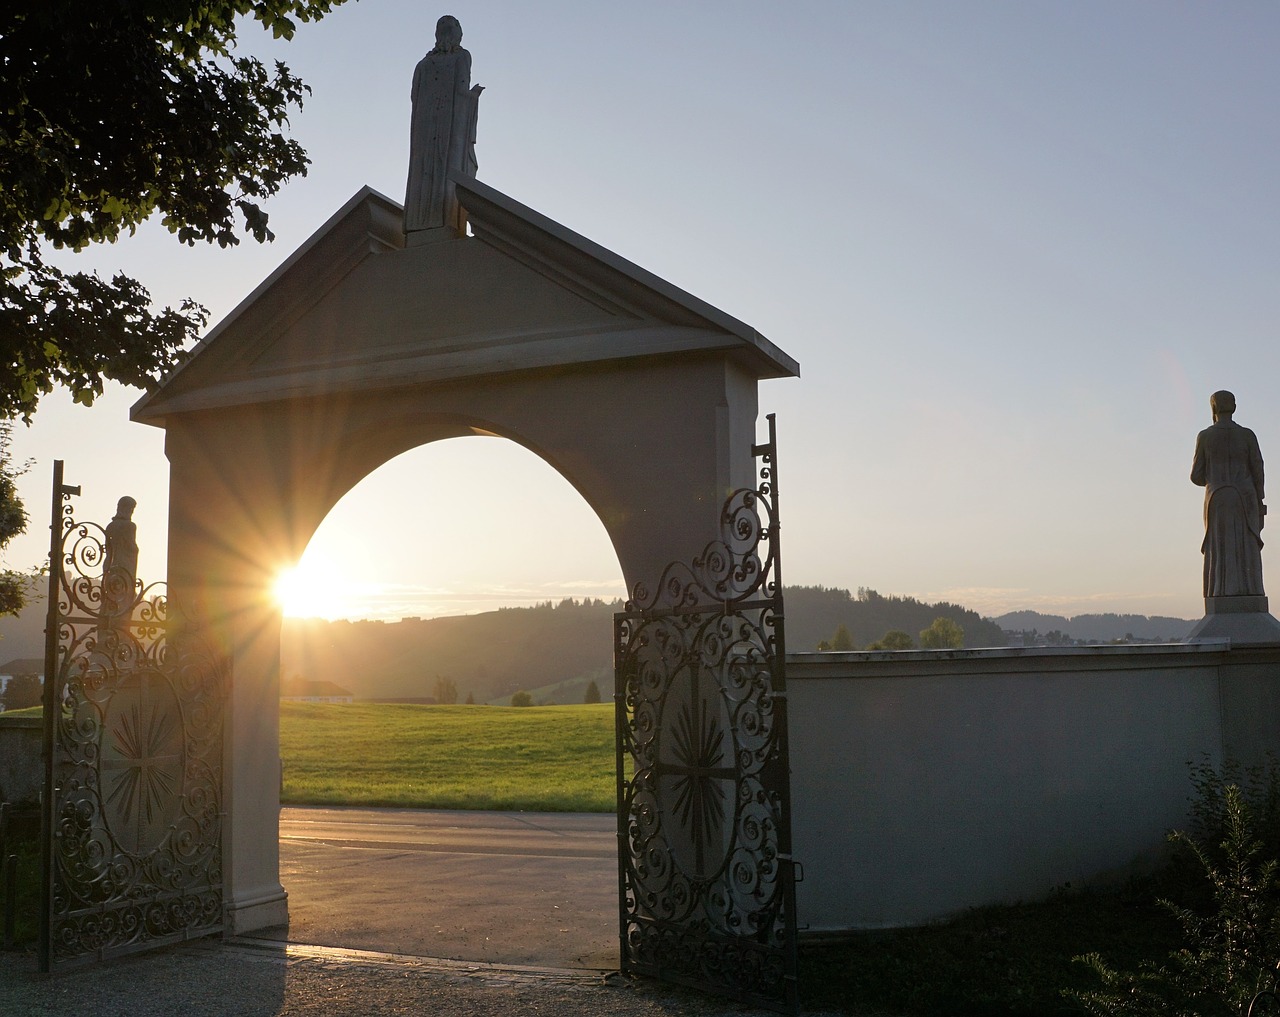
(531, 894)
(536, 889)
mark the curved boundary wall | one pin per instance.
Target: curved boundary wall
(927, 782)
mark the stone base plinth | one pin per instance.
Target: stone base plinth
(1243, 620)
(1235, 605)
(263, 912)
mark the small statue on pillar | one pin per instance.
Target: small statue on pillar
(1228, 465)
(442, 136)
(119, 569)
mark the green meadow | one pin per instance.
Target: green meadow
(540, 759)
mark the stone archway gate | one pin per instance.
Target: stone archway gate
(360, 347)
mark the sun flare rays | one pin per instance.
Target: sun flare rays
(311, 589)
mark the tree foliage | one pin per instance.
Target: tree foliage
(111, 112)
(813, 612)
(521, 698)
(840, 642)
(942, 634)
(592, 695)
(894, 639)
(446, 690)
(13, 521)
(22, 691)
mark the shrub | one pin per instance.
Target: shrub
(24, 846)
(446, 690)
(841, 641)
(1230, 916)
(894, 639)
(943, 634)
(22, 692)
(522, 698)
(592, 695)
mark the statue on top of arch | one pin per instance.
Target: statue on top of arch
(442, 134)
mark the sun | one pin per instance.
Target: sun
(308, 591)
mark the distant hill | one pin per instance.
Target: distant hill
(488, 656)
(814, 613)
(554, 650)
(1100, 628)
(567, 692)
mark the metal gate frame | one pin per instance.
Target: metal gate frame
(131, 817)
(706, 878)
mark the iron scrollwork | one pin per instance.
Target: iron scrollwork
(133, 717)
(705, 870)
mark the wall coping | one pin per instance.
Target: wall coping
(7, 721)
(1023, 659)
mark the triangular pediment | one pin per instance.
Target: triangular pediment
(354, 308)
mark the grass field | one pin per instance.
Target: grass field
(540, 759)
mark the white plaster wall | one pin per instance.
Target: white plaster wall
(924, 783)
(21, 761)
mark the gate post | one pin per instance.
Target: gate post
(706, 877)
(221, 555)
(48, 703)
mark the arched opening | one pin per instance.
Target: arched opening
(437, 573)
(361, 347)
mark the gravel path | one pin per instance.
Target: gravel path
(238, 979)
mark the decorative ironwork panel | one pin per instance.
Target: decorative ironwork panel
(132, 830)
(706, 877)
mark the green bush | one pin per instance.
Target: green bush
(28, 890)
(943, 634)
(894, 639)
(1227, 872)
(522, 698)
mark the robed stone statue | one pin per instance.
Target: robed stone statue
(1228, 465)
(442, 133)
(119, 568)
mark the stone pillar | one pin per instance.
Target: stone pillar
(219, 578)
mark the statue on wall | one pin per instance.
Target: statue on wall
(442, 132)
(119, 567)
(1228, 465)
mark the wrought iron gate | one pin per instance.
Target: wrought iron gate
(706, 877)
(132, 809)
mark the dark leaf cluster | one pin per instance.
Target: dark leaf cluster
(22, 691)
(13, 521)
(112, 112)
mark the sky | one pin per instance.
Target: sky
(1013, 245)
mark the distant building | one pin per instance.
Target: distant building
(301, 691)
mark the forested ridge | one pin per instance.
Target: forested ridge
(568, 644)
(814, 613)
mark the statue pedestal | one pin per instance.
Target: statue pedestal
(434, 235)
(1243, 620)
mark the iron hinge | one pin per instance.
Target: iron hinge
(797, 868)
